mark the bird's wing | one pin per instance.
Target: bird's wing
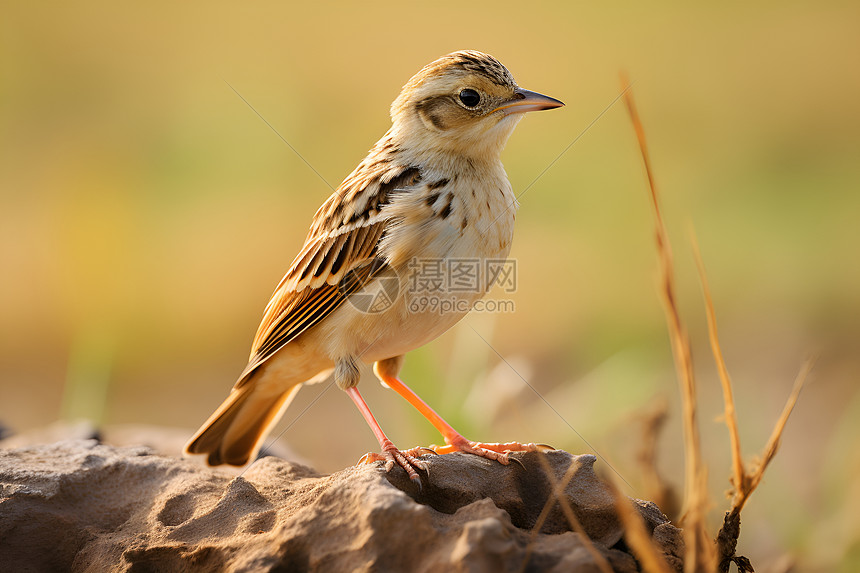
(338, 257)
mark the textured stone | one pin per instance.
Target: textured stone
(82, 506)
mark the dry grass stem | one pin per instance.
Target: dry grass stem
(699, 553)
(754, 478)
(727, 538)
(635, 533)
(558, 495)
(656, 488)
(744, 482)
(738, 473)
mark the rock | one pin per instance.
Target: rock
(81, 506)
(162, 440)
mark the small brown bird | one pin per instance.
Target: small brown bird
(432, 192)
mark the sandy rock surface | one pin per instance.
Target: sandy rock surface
(81, 506)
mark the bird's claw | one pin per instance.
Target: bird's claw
(420, 451)
(405, 459)
(492, 451)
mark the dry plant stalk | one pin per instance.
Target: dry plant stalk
(754, 478)
(656, 488)
(558, 494)
(699, 554)
(635, 533)
(738, 475)
(744, 482)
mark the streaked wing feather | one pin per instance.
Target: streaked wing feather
(336, 259)
(287, 299)
(308, 308)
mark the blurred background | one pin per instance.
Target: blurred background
(148, 213)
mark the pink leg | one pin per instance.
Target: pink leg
(391, 454)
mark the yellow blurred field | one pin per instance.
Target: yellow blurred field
(147, 214)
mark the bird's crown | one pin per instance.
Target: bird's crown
(441, 78)
(463, 63)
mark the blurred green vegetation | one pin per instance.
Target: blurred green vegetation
(147, 213)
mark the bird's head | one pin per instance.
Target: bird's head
(465, 103)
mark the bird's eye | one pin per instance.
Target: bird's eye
(470, 98)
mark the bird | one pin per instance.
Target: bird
(431, 192)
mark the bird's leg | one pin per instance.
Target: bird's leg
(391, 454)
(454, 441)
(347, 376)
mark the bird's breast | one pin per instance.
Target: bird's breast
(444, 241)
(451, 216)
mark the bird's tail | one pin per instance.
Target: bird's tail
(234, 433)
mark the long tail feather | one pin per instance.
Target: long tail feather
(234, 433)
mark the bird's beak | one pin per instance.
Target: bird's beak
(525, 100)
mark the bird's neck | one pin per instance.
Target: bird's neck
(426, 151)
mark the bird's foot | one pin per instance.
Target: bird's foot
(406, 459)
(498, 452)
